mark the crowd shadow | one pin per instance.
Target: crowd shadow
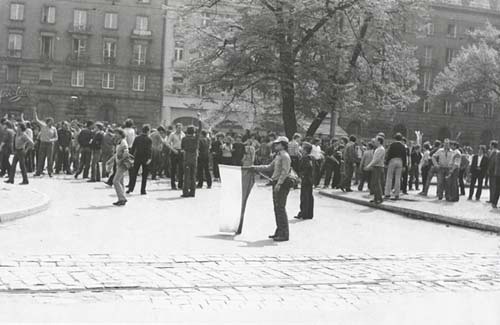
(246, 243)
(170, 198)
(97, 207)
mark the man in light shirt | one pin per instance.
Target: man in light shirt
(48, 137)
(129, 132)
(174, 142)
(444, 160)
(376, 167)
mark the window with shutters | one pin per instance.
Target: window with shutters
(15, 45)
(108, 80)
(78, 78)
(139, 83)
(80, 19)
(47, 46)
(141, 23)
(49, 15)
(427, 80)
(111, 20)
(447, 108)
(139, 54)
(426, 108)
(17, 11)
(179, 53)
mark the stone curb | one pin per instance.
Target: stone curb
(415, 214)
(22, 213)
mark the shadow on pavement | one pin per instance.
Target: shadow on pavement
(97, 207)
(259, 243)
(247, 244)
(170, 198)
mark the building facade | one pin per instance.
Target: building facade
(447, 32)
(98, 60)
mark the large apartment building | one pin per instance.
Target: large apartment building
(448, 31)
(75, 59)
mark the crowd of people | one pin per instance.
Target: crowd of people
(191, 156)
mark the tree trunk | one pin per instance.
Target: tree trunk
(288, 110)
(316, 123)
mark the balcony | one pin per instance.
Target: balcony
(46, 58)
(80, 29)
(15, 53)
(141, 34)
(109, 60)
(429, 63)
(78, 59)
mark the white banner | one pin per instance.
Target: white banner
(230, 200)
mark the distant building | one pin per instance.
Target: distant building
(98, 60)
(472, 123)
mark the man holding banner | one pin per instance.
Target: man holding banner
(280, 167)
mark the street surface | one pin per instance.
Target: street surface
(161, 258)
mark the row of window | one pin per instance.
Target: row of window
(489, 109)
(79, 48)
(451, 30)
(108, 79)
(80, 18)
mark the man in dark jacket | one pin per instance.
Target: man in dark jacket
(350, 161)
(203, 161)
(7, 147)
(96, 145)
(64, 137)
(142, 152)
(85, 140)
(478, 169)
(189, 145)
(491, 168)
(307, 182)
(396, 159)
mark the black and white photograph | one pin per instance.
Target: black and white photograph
(250, 162)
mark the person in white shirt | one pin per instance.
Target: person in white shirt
(129, 132)
(174, 143)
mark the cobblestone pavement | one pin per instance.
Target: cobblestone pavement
(191, 282)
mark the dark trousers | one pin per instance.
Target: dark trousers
(95, 172)
(156, 163)
(493, 187)
(404, 179)
(349, 171)
(30, 160)
(377, 174)
(19, 156)
(295, 163)
(476, 177)
(328, 169)
(215, 162)
(337, 176)
(425, 175)
(5, 162)
(461, 182)
(451, 186)
(496, 195)
(189, 188)
(306, 201)
(112, 176)
(365, 176)
(279, 202)
(204, 172)
(45, 152)
(62, 159)
(317, 172)
(134, 172)
(176, 169)
(85, 159)
(414, 177)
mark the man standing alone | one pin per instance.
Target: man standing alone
(141, 150)
(48, 136)
(189, 147)
(174, 143)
